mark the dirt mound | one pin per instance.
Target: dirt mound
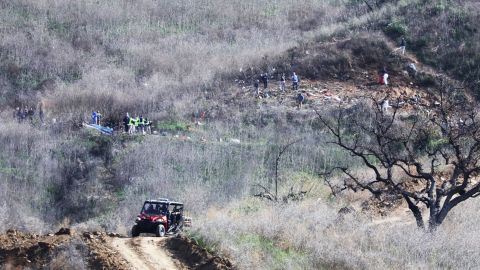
(101, 250)
(195, 257)
(102, 255)
(18, 250)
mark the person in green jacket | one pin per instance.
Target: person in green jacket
(131, 125)
(136, 122)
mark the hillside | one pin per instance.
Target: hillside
(190, 67)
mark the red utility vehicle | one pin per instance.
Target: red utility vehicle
(159, 217)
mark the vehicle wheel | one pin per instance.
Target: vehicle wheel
(135, 231)
(160, 230)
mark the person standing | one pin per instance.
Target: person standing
(94, 117)
(136, 123)
(31, 114)
(126, 121)
(131, 125)
(295, 81)
(25, 113)
(141, 124)
(99, 116)
(17, 114)
(264, 78)
(40, 112)
(148, 126)
(403, 44)
(256, 86)
(282, 82)
(385, 76)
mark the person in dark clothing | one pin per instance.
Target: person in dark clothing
(148, 126)
(255, 86)
(40, 112)
(126, 120)
(282, 82)
(141, 124)
(412, 70)
(24, 114)
(31, 113)
(264, 79)
(300, 100)
(403, 44)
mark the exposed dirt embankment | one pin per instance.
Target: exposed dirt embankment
(195, 257)
(100, 250)
(18, 250)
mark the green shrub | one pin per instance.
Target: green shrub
(173, 125)
(60, 28)
(279, 255)
(438, 8)
(426, 80)
(200, 241)
(396, 29)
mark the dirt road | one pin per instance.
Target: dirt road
(145, 253)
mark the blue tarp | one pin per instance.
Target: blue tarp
(102, 129)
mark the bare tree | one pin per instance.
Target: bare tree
(429, 159)
(266, 192)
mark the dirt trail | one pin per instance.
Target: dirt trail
(144, 253)
(20, 250)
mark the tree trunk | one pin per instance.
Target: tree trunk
(442, 214)
(415, 211)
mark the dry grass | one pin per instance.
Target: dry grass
(71, 255)
(142, 55)
(166, 60)
(310, 235)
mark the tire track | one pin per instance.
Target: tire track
(144, 253)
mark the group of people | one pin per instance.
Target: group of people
(263, 78)
(410, 67)
(26, 114)
(383, 78)
(137, 124)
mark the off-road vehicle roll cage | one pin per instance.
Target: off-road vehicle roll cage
(160, 217)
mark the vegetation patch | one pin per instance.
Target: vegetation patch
(173, 125)
(280, 256)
